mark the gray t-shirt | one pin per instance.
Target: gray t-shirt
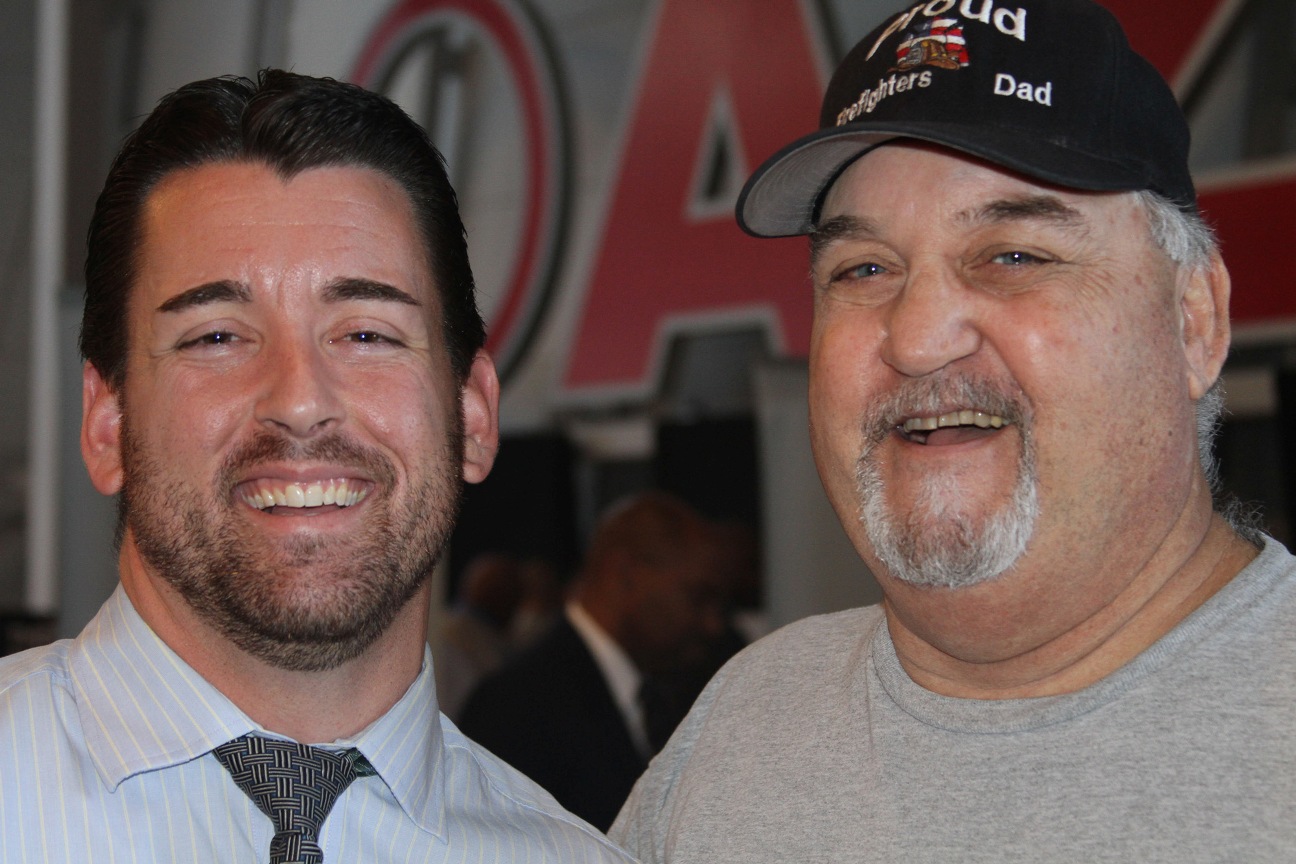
(814, 745)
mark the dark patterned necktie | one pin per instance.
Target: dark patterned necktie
(294, 785)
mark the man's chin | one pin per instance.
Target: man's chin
(956, 565)
(945, 535)
(311, 628)
(952, 548)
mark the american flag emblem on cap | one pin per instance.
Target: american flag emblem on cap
(938, 42)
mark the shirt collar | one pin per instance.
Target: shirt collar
(406, 748)
(142, 708)
(620, 673)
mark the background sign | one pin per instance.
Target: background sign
(713, 88)
(482, 78)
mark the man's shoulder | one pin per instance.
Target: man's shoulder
(771, 693)
(1273, 571)
(476, 766)
(558, 656)
(557, 644)
(44, 667)
(514, 803)
(1247, 630)
(38, 708)
(817, 644)
(780, 680)
(1258, 604)
(534, 693)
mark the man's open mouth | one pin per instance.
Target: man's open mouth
(265, 494)
(952, 428)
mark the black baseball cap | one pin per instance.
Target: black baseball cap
(1048, 88)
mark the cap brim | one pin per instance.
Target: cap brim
(782, 197)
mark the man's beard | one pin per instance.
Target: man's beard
(305, 604)
(936, 543)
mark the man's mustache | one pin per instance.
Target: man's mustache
(335, 449)
(925, 397)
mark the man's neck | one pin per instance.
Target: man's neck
(313, 707)
(1014, 640)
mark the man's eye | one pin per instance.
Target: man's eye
(370, 337)
(216, 337)
(1017, 258)
(862, 271)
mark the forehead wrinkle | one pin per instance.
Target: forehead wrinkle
(221, 291)
(1023, 208)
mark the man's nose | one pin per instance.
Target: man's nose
(298, 394)
(930, 323)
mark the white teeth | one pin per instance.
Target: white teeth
(299, 496)
(965, 417)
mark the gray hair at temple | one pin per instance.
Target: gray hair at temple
(1189, 242)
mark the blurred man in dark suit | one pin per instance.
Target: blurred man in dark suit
(576, 712)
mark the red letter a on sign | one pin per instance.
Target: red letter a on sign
(663, 257)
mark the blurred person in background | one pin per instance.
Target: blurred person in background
(541, 603)
(576, 711)
(475, 637)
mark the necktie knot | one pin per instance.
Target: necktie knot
(295, 785)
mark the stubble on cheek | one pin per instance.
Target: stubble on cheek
(306, 603)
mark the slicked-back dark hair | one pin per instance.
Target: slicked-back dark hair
(290, 123)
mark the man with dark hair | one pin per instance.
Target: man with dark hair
(573, 712)
(1019, 325)
(285, 384)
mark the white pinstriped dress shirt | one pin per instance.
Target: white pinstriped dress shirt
(105, 756)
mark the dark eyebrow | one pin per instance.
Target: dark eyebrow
(834, 229)
(228, 291)
(353, 288)
(1048, 208)
(223, 291)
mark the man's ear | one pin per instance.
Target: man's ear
(1204, 309)
(101, 420)
(479, 400)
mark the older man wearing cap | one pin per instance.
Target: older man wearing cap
(1020, 320)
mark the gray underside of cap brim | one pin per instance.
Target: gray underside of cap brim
(781, 198)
